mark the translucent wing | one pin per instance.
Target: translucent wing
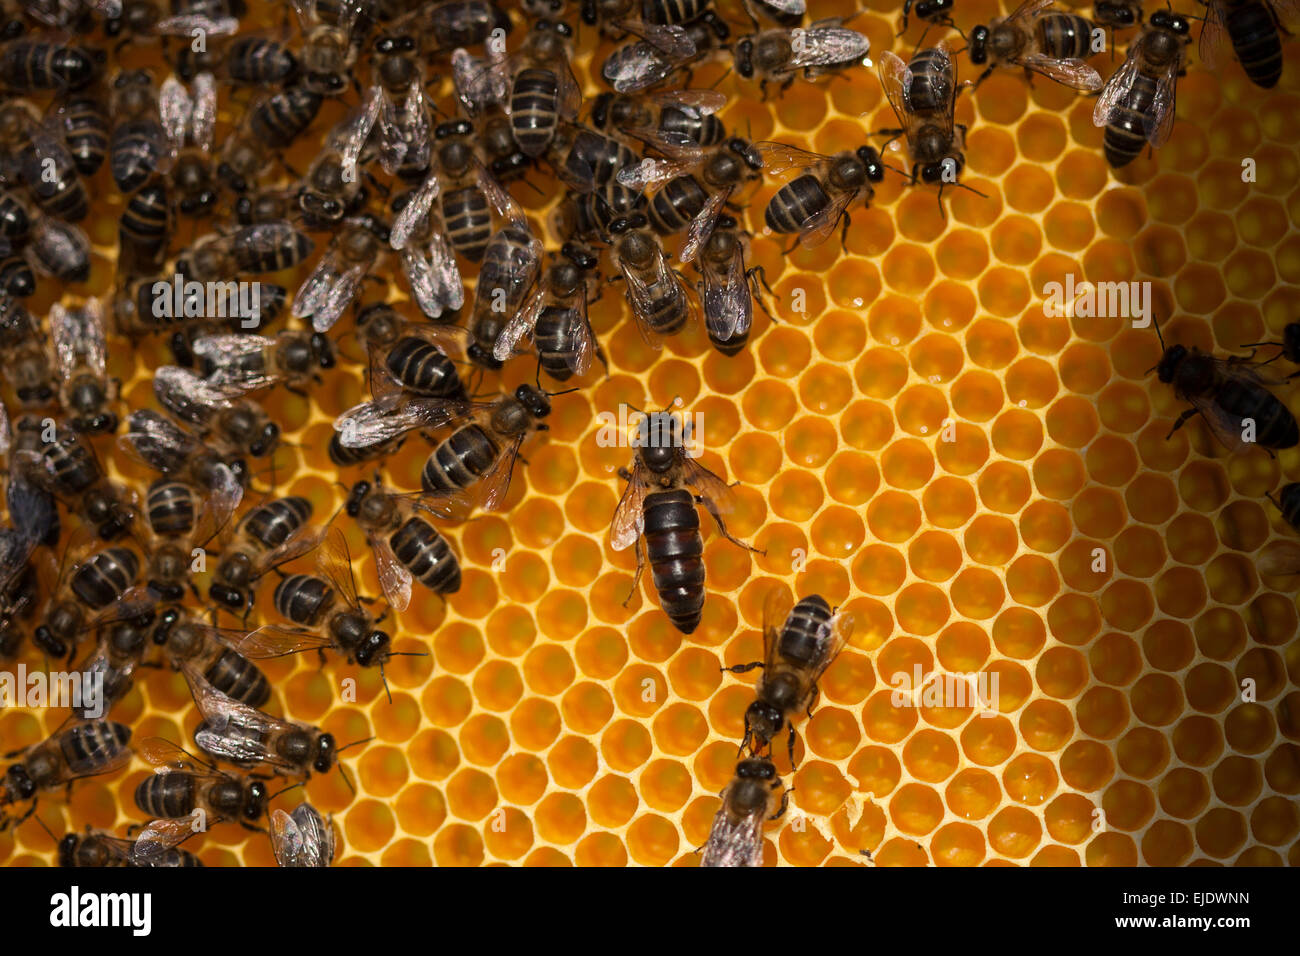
(412, 215)
(1280, 560)
(1075, 74)
(701, 227)
(651, 172)
(189, 396)
(1225, 426)
(156, 442)
(352, 133)
(942, 89)
(728, 308)
(735, 842)
(778, 157)
(394, 578)
(520, 324)
(705, 482)
(447, 285)
(1213, 34)
(671, 40)
(479, 83)
(230, 355)
(223, 496)
(167, 757)
(334, 561)
(776, 609)
(231, 730)
(6, 431)
(1158, 122)
(186, 24)
(174, 109)
(271, 640)
(382, 420)
(579, 360)
(55, 243)
(695, 103)
(637, 66)
(629, 517)
(788, 7)
(302, 839)
(821, 224)
(895, 78)
(1117, 87)
(79, 337)
(492, 488)
(826, 46)
(1028, 10)
(159, 836)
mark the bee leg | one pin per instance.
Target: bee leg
(844, 231)
(742, 668)
(636, 579)
(785, 805)
(753, 275)
(1180, 422)
(722, 528)
(789, 745)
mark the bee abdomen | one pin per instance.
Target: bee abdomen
(134, 152)
(673, 207)
(273, 522)
(170, 507)
(303, 598)
(89, 746)
(258, 60)
(422, 368)
(1064, 35)
(556, 335)
(1256, 42)
(801, 638)
(675, 551)
(283, 117)
(1275, 426)
(469, 222)
(458, 462)
(239, 679)
(105, 577)
(533, 103)
(425, 553)
(168, 795)
(795, 203)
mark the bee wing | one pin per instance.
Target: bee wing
(650, 172)
(672, 40)
(776, 609)
(895, 78)
(48, 147)
(639, 66)
(56, 241)
(778, 157)
(831, 638)
(168, 757)
(287, 840)
(227, 354)
(174, 109)
(734, 843)
(821, 225)
(119, 849)
(824, 46)
(1213, 35)
(569, 96)
(301, 839)
(219, 504)
(412, 215)
(702, 225)
(6, 431)
(296, 545)
(340, 295)
(478, 85)
(188, 395)
(1281, 560)
(271, 640)
(381, 420)
(943, 88)
(492, 488)
(694, 103)
(394, 578)
(521, 324)
(1158, 122)
(728, 307)
(447, 283)
(1252, 372)
(1075, 74)
(159, 836)
(65, 330)
(334, 561)
(150, 437)
(1028, 9)
(1117, 87)
(233, 731)
(1225, 426)
(185, 25)
(579, 360)
(497, 196)
(638, 296)
(628, 523)
(706, 483)
(264, 238)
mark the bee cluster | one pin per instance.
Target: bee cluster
(408, 186)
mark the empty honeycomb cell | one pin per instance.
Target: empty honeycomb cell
(1086, 765)
(587, 707)
(1069, 226)
(1191, 539)
(879, 569)
(1249, 728)
(1139, 552)
(934, 556)
(1003, 291)
(1017, 434)
(508, 834)
(1198, 741)
(839, 335)
(780, 545)
(1181, 592)
(838, 532)
(881, 372)
(958, 844)
(893, 516)
(560, 818)
(1111, 460)
(525, 581)
(796, 496)
(895, 320)
(1237, 780)
(754, 458)
(680, 729)
(577, 560)
(867, 425)
(673, 380)
(1157, 699)
(1102, 712)
(931, 756)
(1004, 487)
(1014, 832)
(1032, 580)
(810, 442)
(1030, 779)
(1249, 273)
(805, 295)
(1221, 832)
(1167, 843)
(1231, 579)
(1275, 821)
(991, 343)
(908, 464)
(1265, 671)
(1074, 619)
(915, 809)
(535, 723)
(1084, 368)
(652, 840)
(471, 794)
(1168, 645)
(962, 255)
(948, 502)
(976, 396)
(1200, 289)
(589, 507)
(1271, 619)
(1115, 659)
(1111, 849)
(1151, 498)
(785, 352)
(447, 701)
(1142, 753)
(1242, 525)
(1072, 421)
(922, 608)
(884, 722)
(769, 405)
(1029, 188)
(988, 741)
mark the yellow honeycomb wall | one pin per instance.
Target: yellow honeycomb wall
(915, 440)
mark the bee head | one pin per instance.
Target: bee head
(355, 497)
(747, 152)
(482, 357)
(68, 850)
(745, 58)
(1169, 362)
(255, 805)
(870, 158)
(763, 721)
(325, 753)
(454, 128)
(932, 173)
(536, 402)
(756, 768)
(1169, 20)
(978, 48)
(18, 785)
(373, 649)
(265, 443)
(166, 623)
(585, 261)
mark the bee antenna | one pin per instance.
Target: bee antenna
(1269, 496)
(567, 391)
(355, 743)
(384, 677)
(1156, 323)
(292, 786)
(48, 832)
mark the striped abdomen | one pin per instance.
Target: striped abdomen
(461, 460)
(88, 747)
(1275, 426)
(1064, 35)
(795, 203)
(168, 795)
(556, 336)
(105, 577)
(273, 522)
(1256, 41)
(675, 551)
(802, 638)
(673, 207)
(170, 507)
(421, 367)
(1125, 133)
(426, 554)
(303, 598)
(931, 76)
(534, 109)
(469, 221)
(238, 678)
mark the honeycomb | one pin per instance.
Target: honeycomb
(988, 490)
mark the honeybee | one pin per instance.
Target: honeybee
(272, 122)
(405, 120)
(270, 535)
(335, 281)
(933, 12)
(138, 144)
(34, 151)
(406, 546)
(332, 188)
(210, 650)
(34, 521)
(461, 185)
(1254, 29)
(235, 426)
(1117, 14)
(1137, 104)
(1228, 394)
(82, 750)
(799, 643)
(80, 348)
(1041, 40)
(663, 487)
(679, 117)
(661, 51)
(454, 23)
(555, 318)
(727, 289)
(262, 247)
(1288, 348)
(302, 838)
(736, 837)
(181, 521)
(83, 122)
(816, 201)
(94, 848)
(246, 737)
(778, 55)
(682, 197)
(160, 445)
(252, 362)
(183, 785)
(32, 63)
(328, 612)
(510, 267)
(661, 304)
(68, 468)
(923, 94)
(328, 49)
(119, 652)
(58, 249)
(189, 122)
(543, 91)
(97, 590)
(1288, 503)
